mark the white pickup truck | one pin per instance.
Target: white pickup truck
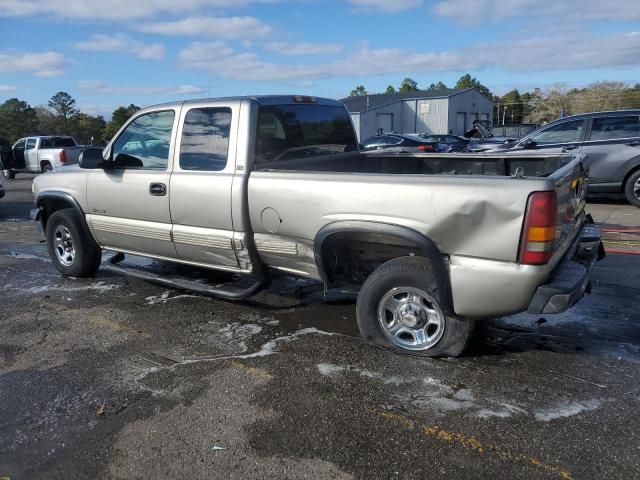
(43, 154)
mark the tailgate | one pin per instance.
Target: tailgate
(571, 190)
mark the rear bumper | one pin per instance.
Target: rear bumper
(569, 281)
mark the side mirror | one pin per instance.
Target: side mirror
(91, 158)
(528, 144)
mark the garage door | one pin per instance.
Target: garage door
(385, 122)
(461, 123)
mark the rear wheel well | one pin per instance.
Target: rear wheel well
(43, 164)
(349, 258)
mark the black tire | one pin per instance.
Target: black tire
(46, 167)
(632, 189)
(87, 255)
(413, 273)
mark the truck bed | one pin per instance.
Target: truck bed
(492, 164)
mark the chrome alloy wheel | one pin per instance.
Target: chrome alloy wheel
(63, 246)
(636, 189)
(411, 318)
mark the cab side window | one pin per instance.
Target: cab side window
(205, 139)
(144, 144)
(31, 144)
(566, 132)
(610, 128)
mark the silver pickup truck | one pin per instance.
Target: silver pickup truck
(255, 185)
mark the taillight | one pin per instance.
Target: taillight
(425, 147)
(63, 156)
(539, 232)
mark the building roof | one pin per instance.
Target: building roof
(363, 103)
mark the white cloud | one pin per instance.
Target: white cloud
(481, 11)
(104, 88)
(121, 43)
(530, 55)
(286, 48)
(7, 88)
(391, 6)
(115, 9)
(217, 27)
(46, 64)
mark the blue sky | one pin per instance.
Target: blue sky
(114, 52)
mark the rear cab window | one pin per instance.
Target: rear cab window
(57, 142)
(205, 139)
(289, 133)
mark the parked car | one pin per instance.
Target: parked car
(43, 154)
(254, 185)
(398, 143)
(610, 142)
(447, 143)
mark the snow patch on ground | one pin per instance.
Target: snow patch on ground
(54, 287)
(27, 256)
(239, 332)
(271, 346)
(567, 409)
(165, 297)
(331, 370)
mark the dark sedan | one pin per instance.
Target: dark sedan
(447, 143)
(398, 143)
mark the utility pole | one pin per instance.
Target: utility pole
(504, 114)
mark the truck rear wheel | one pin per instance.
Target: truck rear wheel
(46, 167)
(632, 189)
(399, 307)
(73, 251)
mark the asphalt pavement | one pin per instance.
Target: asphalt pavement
(116, 378)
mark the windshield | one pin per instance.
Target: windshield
(288, 132)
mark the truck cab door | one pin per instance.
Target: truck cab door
(202, 182)
(18, 154)
(128, 201)
(31, 155)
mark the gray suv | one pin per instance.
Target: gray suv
(610, 142)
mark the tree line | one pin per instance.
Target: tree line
(60, 116)
(410, 85)
(537, 106)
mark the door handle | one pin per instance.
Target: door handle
(634, 143)
(158, 189)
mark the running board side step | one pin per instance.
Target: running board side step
(185, 284)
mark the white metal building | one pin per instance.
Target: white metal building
(432, 112)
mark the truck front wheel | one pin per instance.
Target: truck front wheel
(399, 307)
(73, 251)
